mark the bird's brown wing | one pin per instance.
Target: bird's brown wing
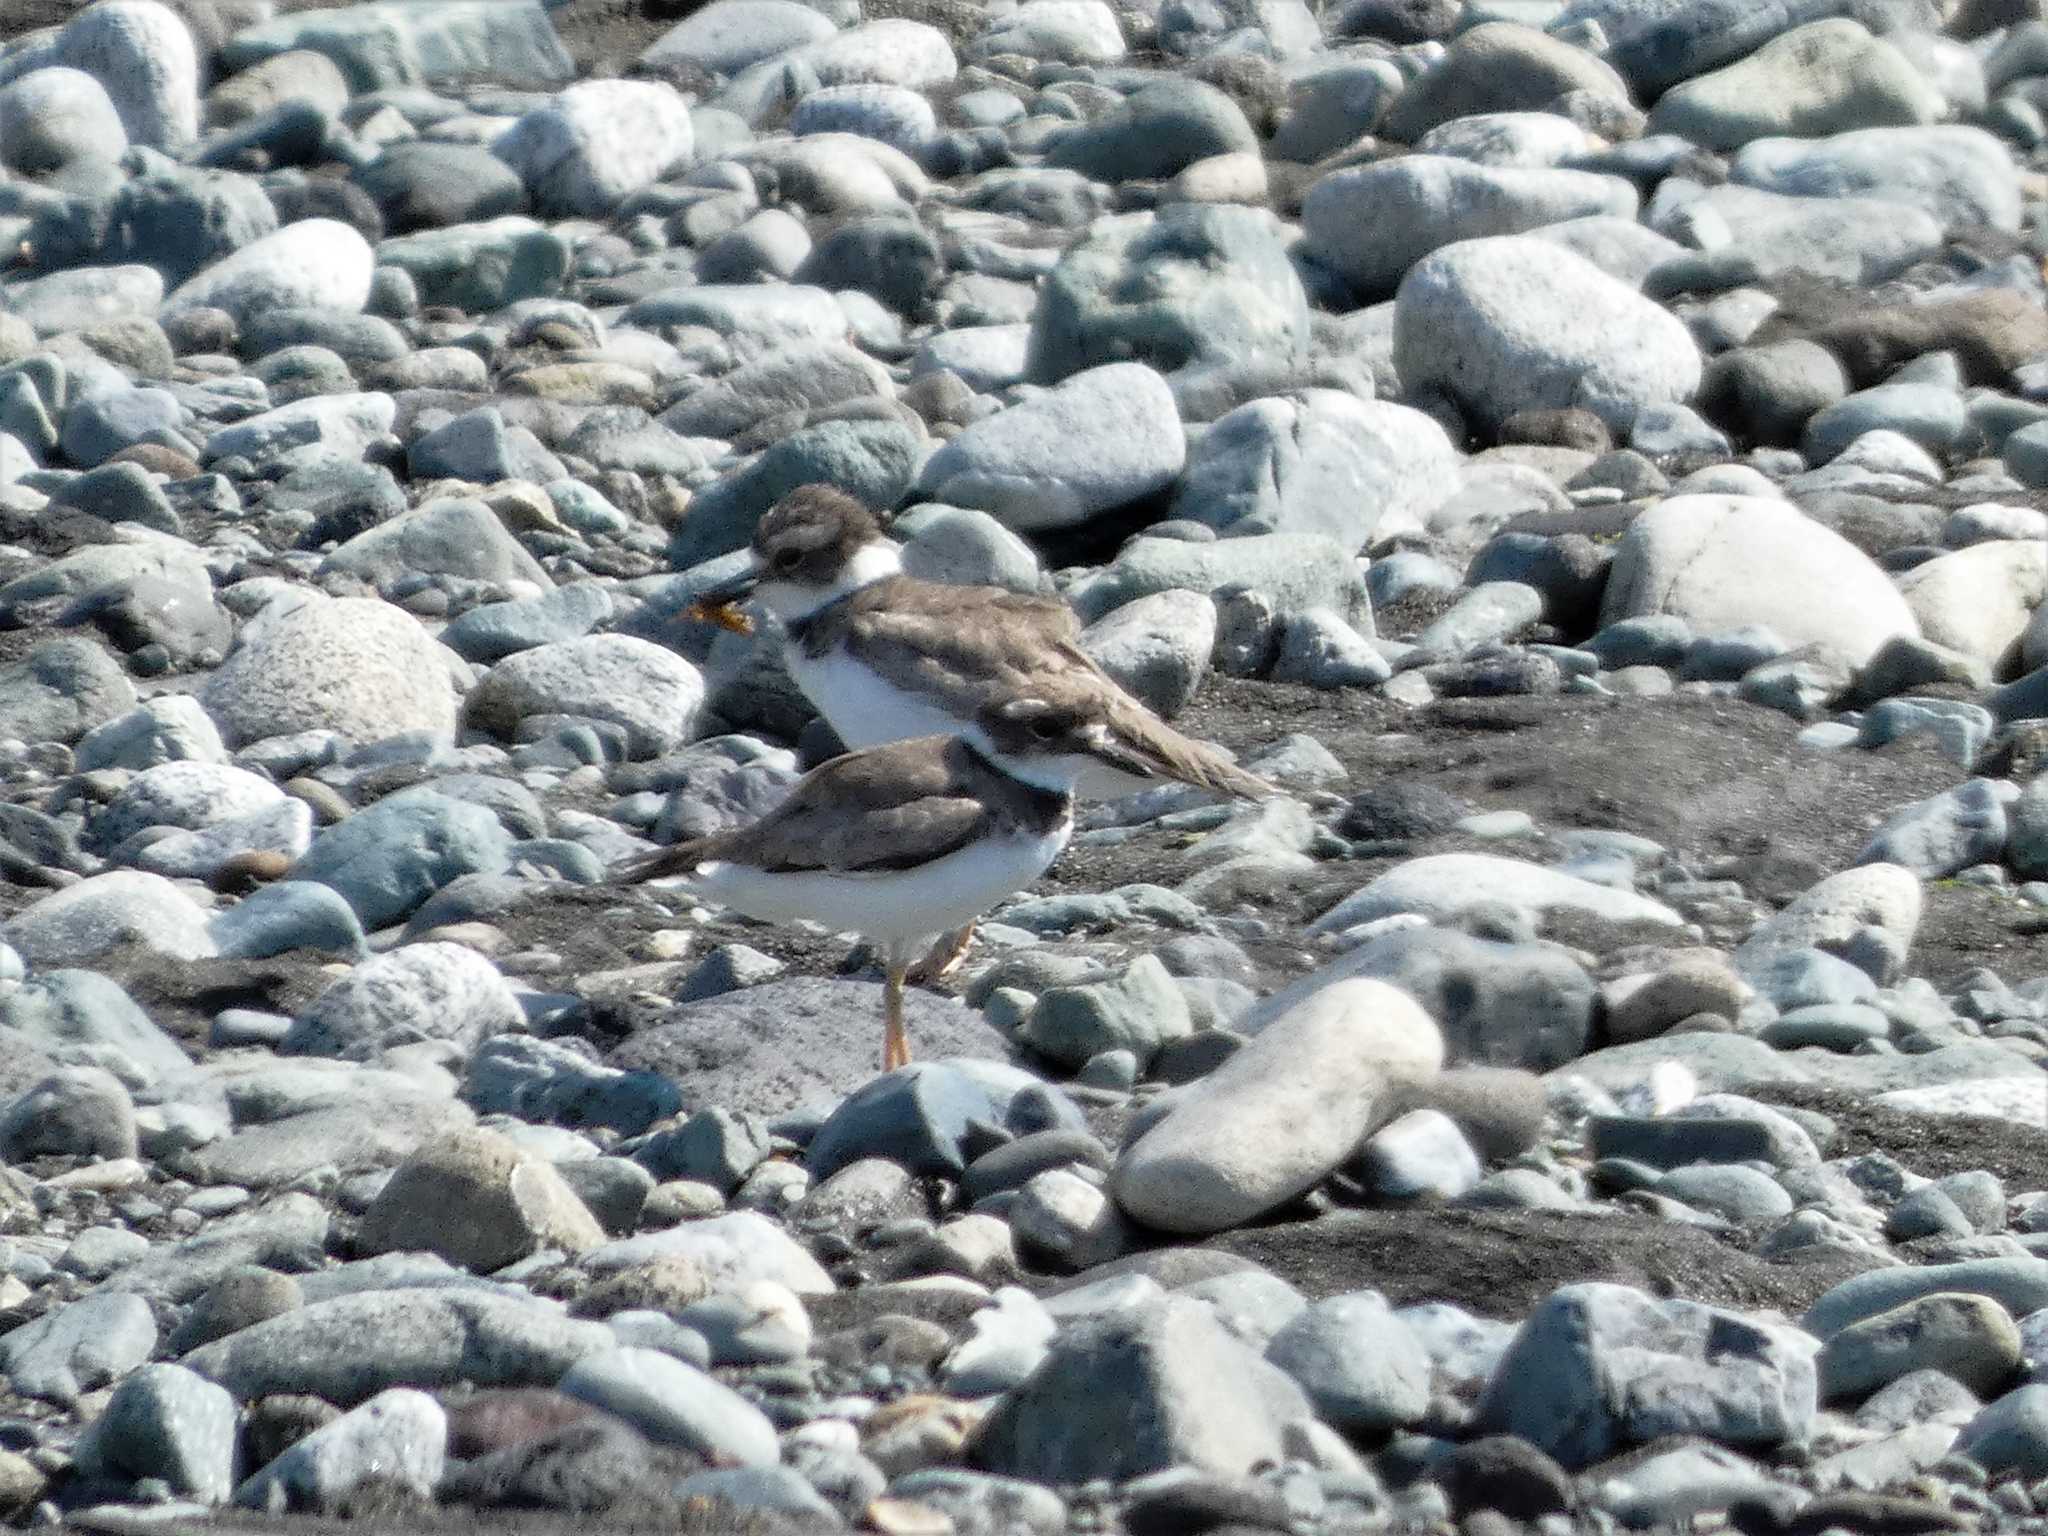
(965, 647)
(1177, 756)
(959, 646)
(886, 808)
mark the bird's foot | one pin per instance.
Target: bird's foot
(944, 959)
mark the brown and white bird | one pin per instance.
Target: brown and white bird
(885, 657)
(907, 841)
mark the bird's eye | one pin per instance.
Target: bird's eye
(1045, 729)
(789, 559)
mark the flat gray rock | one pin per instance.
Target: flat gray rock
(349, 1349)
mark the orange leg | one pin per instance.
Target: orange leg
(895, 1040)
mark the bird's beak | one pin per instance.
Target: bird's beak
(733, 590)
(1106, 746)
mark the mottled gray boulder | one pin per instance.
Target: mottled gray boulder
(1156, 132)
(649, 690)
(784, 380)
(1497, 1004)
(165, 1422)
(124, 906)
(313, 264)
(1515, 323)
(1189, 284)
(1101, 439)
(1138, 1391)
(353, 665)
(1827, 77)
(1294, 572)
(728, 35)
(481, 265)
(1500, 66)
(390, 43)
(1721, 562)
(1962, 175)
(55, 117)
(1600, 1367)
(1373, 222)
(143, 53)
(454, 537)
(352, 1347)
(1318, 461)
(596, 143)
(61, 690)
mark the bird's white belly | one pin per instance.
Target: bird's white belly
(892, 906)
(865, 708)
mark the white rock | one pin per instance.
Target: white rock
(728, 35)
(1723, 562)
(1440, 886)
(1961, 175)
(352, 665)
(52, 117)
(892, 51)
(142, 52)
(1374, 222)
(732, 1252)
(1980, 600)
(1830, 914)
(1104, 437)
(313, 264)
(1058, 31)
(1278, 1116)
(1318, 461)
(635, 683)
(597, 142)
(346, 424)
(1516, 323)
(73, 926)
(399, 1437)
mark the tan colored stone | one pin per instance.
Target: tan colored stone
(478, 1200)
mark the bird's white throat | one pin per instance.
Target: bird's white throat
(794, 601)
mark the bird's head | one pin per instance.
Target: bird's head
(811, 548)
(1054, 742)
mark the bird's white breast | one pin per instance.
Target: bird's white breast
(864, 707)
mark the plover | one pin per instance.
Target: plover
(884, 656)
(907, 841)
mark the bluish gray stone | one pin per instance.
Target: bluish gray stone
(1598, 1367)
(290, 915)
(1361, 1368)
(1945, 833)
(398, 1439)
(1189, 284)
(349, 1348)
(1137, 1391)
(78, 1346)
(1156, 132)
(386, 860)
(383, 45)
(165, 1422)
(919, 1116)
(673, 1404)
(61, 690)
(85, 1017)
(546, 1081)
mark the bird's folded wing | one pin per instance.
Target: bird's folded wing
(888, 808)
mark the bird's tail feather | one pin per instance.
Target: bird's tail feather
(661, 864)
